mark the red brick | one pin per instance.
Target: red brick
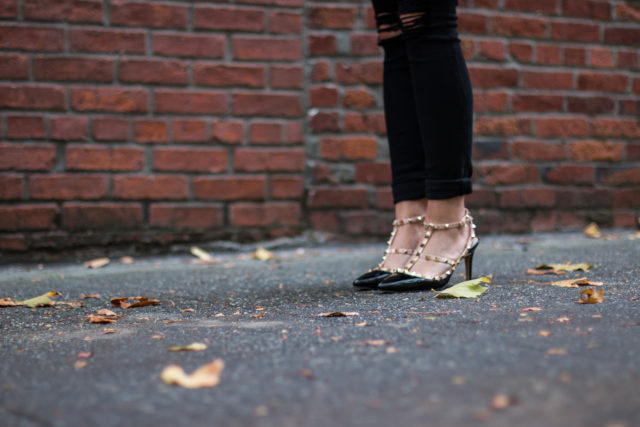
(540, 6)
(550, 127)
(101, 216)
(481, 198)
(548, 54)
(365, 222)
(286, 77)
(384, 198)
(192, 45)
(343, 197)
(539, 151)
(322, 44)
(620, 176)
(547, 80)
(187, 159)
(31, 38)
(527, 198)
(150, 130)
(229, 75)
(13, 242)
(101, 157)
(28, 217)
(492, 49)
(63, 10)
(293, 132)
(582, 198)
(502, 126)
(25, 127)
(627, 12)
(268, 159)
(15, 67)
(575, 32)
(625, 220)
(509, 174)
(266, 48)
(539, 103)
(107, 40)
(365, 123)
(627, 59)
(602, 81)
(489, 76)
(68, 128)
(587, 9)
(285, 22)
(110, 128)
(73, 68)
(229, 18)
(27, 156)
(325, 221)
(474, 23)
(490, 101)
(575, 56)
(286, 187)
(629, 107)
(468, 48)
(68, 187)
(596, 151)
(40, 97)
(230, 187)
(323, 96)
(168, 215)
(189, 101)
(570, 174)
(152, 187)
(544, 221)
(522, 51)
(633, 151)
(189, 130)
(332, 16)
(323, 121)
(615, 128)
(227, 132)
(143, 14)
(622, 35)
(626, 198)
(364, 44)
(349, 148)
(358, 98)
(265, 133)
(602, 58)
(153, 71)
(109, 99)
(359, 72)
(509, 25)
(11, 187)
(266, 104)
(8, 8)
(374, 173)
(265, 214)
(590, 104)
(369, 18)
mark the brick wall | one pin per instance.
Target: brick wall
(163, 121)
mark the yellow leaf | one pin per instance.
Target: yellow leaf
(591, 296)
(196, 346)
(592, 231)
(262, 254)
(202, 255)
(207, 375)
(565, 267)
(40, 301)
(97, 263)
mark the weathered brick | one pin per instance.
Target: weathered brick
(194, 45)
(587, 9)
(358, 98)
(575, 32)
(622, 35)
(286, 187)
(189, 130)
(269, 159)
(68, 187)
(590, 104)
(539, 151)
(68, 128)
(146, 14)
(602, 58)
(332, 16)
(602, 81)
(502, 126)
(286, 77)
(365, 123)
(189, 101)
(522, 51)
(107, 40)
(15, 66)
(374, 173)
(227, 132)
(492, 49)
(615, 128)
(596, 151)
(104, 157)
(28, 97)
(489, 150)
(350, 148)
(539, 103)
(8, 8)
(187, 159)
(384, 198)
(31, 38)
(266, 104)
(110, 128)
(493, 101)
(619, 176)
(474, 23)
(171, 215)
(27, 156)
(153, 71)
(548, 54)
(550, 127)
(229, 75)
(323, 96)
(150, 187)
(322, 44)
(229, 18)
(364, 44)
(28, 217)
(324, 220)
(109, 99)
(285, 22)
(265, 214)
(13, 242)
(359, 72)
(343, 197)
(266, 48)
(323, 121)
(150, 130)
(11, 186)
(230, 187)
(490, 76)
(547, 80)
(73, 69)
(265, 133)
(527, 198)
(25, 127)
(90, 11)
(628, 198)
(101, 216)
(570, 174)
(508, 174)
(511, 25)
(576, 56)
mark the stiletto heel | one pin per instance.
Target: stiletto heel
(373, 276)
(406, 280)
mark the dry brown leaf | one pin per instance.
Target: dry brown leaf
(140, 302)
(307, 373)
(392, 350)
(544, 333)
(196, 346)
(106, 312)
(80, 364)
(361, 324)
(257, 315)
(8, 302)
(108, 331)
(531, 309)
(556, 352)
(539, 272)
(593, 231)
(127, 260)
(94, 318)
(339, 314)
(574, 283)
(97, 263)
(591, 296)
(90, 296)
(565, 267)
(562, 319)
(84, 355)
(501, 401)
(187, 310)
(207, 375)
(262, 254)
(376, 343)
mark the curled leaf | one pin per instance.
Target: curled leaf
(8, 302)
(202, 255)
(207, 375)
(574, 283)
(90, 296)
(262, 254)
(466, 289)
(565, 267)
(591, 296)
(196, 346)
(106, 312)
(592, 231)
(95, 318)
(339, 314)
(139, 302)
(538, 272)
(41, 301)
(97, 263)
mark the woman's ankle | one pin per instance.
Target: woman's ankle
(410, 208)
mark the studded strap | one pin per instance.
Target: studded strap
(410, 220)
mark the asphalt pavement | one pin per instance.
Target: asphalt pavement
(524, 353)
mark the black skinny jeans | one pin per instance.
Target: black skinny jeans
(428, 101)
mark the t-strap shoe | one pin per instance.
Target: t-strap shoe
(407, 280)
(373, 276)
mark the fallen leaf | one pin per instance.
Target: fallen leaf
(80, 364)
(592, 231)
(127, 260)
(262, 254)
(109, 331)
(207, 375)
(339, 314)
(196, 346)
(8, 302)
(591, 296)
(574, 283)
(84, 355)
(307, 373)
(94, 318)
(501, 401)
(106, 312)
(97, 263)
(531, 309)
(40, 301)
(544, 333)
(392, 350)
(157, 337)
(538, 272)
(376, 343)
(257, 315)
(90, 296)
(187, 310)
(556, 352)
(202, 255)
(565, 267)
(361, 324)
(466, 289)
(562, 319)
(141, 302)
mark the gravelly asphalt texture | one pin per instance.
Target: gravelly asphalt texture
(443, 363)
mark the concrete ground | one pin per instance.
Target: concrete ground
(522, 354)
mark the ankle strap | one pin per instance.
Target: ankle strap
(465, 220)
(411, 220)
